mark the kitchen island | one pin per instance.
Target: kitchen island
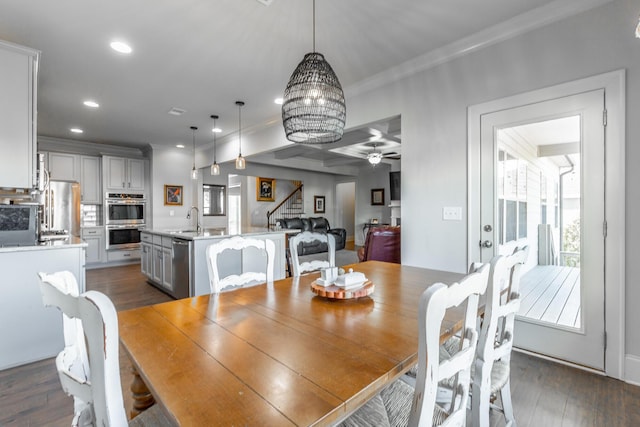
(175, 260)
(29, 331)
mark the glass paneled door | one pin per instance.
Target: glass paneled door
(542, 185)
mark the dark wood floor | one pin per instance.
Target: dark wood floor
(544, 393)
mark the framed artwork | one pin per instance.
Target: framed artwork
(318, 204)
(173, 195)
(265, 189)
(377, 197)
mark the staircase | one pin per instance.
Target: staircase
(291, 207)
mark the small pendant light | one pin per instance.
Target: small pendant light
(215, 167)
(240, 161)
(194, 171)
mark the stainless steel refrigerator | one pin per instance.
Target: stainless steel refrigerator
(62, 207)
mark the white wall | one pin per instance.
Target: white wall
(346, 207)
(434, 103)
(171, 166)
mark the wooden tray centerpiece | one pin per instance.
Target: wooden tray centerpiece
(338, 292)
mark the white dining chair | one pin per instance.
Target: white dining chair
(491, 375)
(88, 366)
(405, 405)
(245, 278)
(316, 264)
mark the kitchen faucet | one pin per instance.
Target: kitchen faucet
(197, 217)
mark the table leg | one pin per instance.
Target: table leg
(142, 397)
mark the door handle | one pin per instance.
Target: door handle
(486, 244)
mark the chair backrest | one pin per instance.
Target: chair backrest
(90, 328)
(308, 237)
(502, 305)
(238, 243)
(382, 244)
(434, 302)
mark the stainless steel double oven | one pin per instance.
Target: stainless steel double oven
(125, 216)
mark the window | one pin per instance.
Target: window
(512, 197)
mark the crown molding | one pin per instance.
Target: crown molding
(529, 21)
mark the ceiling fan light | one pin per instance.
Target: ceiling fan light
(374, 158)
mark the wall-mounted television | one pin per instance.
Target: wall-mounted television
(394, 185)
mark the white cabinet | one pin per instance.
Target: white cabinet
(157, 260)
(90, 180)
(75, 167)
(158, 266)
(18, 89)
(123, 256)
(146, 261)
(64, 166)
(121, 173)
(94, 237)
(167, 272)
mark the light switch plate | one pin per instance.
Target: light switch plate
(452, 214)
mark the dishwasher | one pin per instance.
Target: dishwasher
(181, 267)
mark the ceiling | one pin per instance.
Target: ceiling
(201, 56)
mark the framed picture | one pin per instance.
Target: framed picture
(377, 197)
(318, 204)
(173, 195)
(265, 189)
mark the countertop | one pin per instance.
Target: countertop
(71, 242)
(213, 233)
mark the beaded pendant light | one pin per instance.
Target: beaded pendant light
(215, 167)
(313, 108)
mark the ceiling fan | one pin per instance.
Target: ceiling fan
(375, 156)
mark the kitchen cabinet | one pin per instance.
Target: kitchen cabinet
(94, 238)
(90, 180)
(157, 260)
(29, 330)
(75, 167)
(64, 166)
(123, 255)
(167, 267)
(18, 86)
(121, 173)
(146, 255)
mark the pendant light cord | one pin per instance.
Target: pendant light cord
(314, 26)
(193, 131)
(215, 130)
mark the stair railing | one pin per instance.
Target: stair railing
(291, 206)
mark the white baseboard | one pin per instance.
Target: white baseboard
(632, 369)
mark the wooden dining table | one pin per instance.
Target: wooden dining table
(278, 354)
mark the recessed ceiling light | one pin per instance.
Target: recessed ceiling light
(121, 47)
(180, 146)
(216, 130)
(278, 101)
(76, 130)
(175, 111)
(92, 104)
